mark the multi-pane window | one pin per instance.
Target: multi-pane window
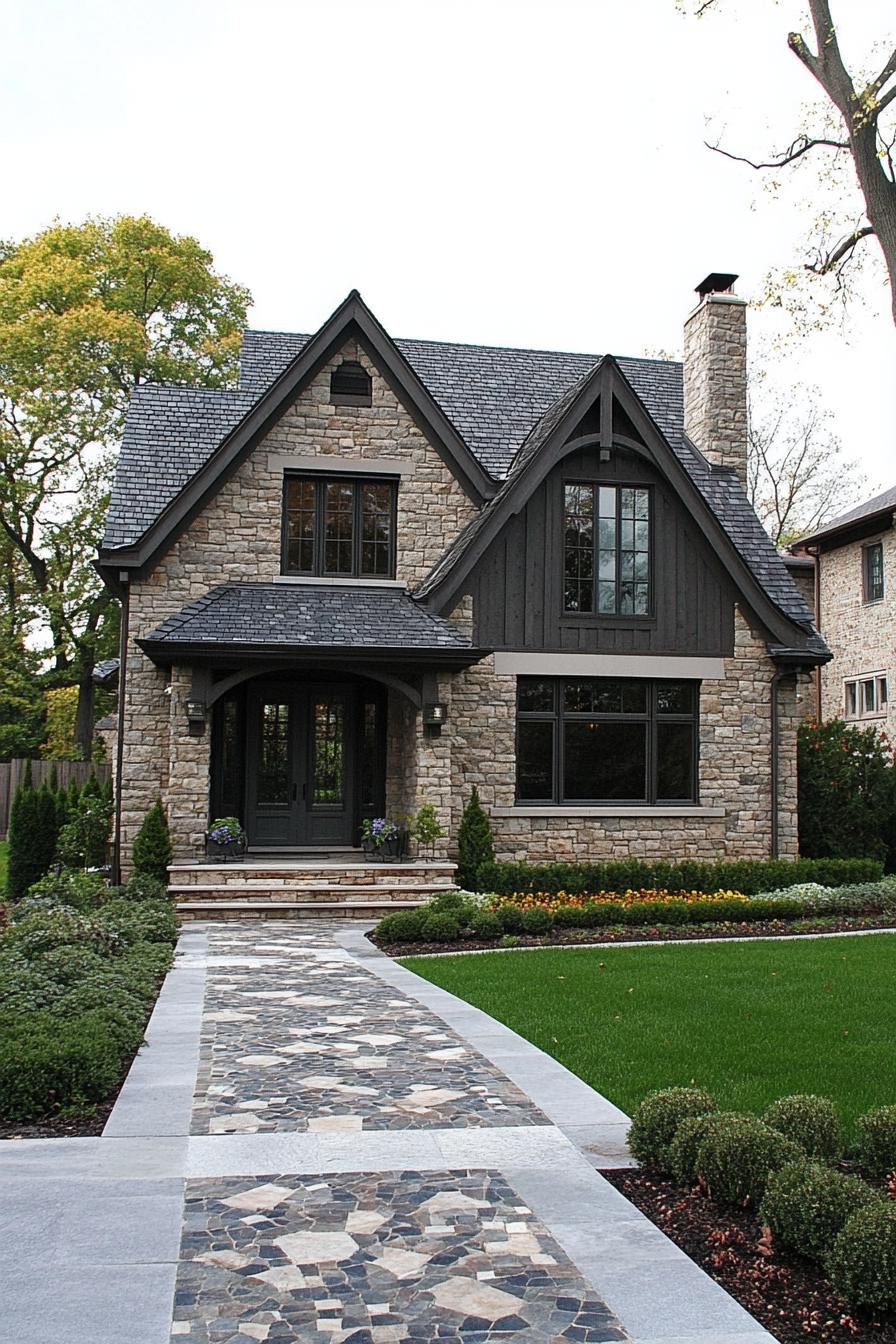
(602, 740)
(606, 549)
(866, 696)
(340, 528)
(873, 571)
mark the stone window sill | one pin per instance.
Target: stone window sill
(584, 811)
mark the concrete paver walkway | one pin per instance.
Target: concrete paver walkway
(318, 1146)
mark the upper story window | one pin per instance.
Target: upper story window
(339, 527)
(598, 740)
(350, 384)
(866, 697)
(606, 562)
(873, 571)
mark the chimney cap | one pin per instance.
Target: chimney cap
(717, 282)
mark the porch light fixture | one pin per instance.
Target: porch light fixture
(434, 715)
(196, 711)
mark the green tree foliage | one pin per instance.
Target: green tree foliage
(87, 313)
(61, 712)
(475, 844)
(21, 698)
(152, 846)
(29, 859)
(84, 837)
(847, 787)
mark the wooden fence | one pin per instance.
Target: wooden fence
(12, 774)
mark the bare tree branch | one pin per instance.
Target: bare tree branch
(790, 155)
(829, 263)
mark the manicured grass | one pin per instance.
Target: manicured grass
(749, 1021)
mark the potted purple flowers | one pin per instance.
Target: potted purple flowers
(225, 840)
(382, 838)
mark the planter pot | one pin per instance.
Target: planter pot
(390, 849)
(368, 847)
(232, 853)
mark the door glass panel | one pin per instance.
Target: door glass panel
(369, 763)
(273, 757)
(328, 753)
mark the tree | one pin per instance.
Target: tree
(847, 792)
(797, 476)
(857, 124)
(88, 312)
(152, 845)
(475, 844)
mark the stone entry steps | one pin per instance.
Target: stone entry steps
(277, 888)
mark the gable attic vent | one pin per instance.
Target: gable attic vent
(350, 385)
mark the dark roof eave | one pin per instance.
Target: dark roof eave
(797, 657)
(168, 651)
(854, 530)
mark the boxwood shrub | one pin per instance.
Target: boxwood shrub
(486, 924)
(736, 1159)
(807, 1203)
(657, 1119)
(49, 1062)
(682, 1152)
(862, 1261)
(810, 1121)
(441, 928)
(876, 1148)
(749, 876)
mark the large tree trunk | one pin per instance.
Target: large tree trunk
(84, 713)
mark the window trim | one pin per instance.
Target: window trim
(879, 680)
(867, 597)
(558, 716)
(610, 617)
(321, 480)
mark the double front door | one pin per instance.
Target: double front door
(301, 765)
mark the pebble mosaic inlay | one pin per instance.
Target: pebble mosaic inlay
(376, 1259)
(296, 1035)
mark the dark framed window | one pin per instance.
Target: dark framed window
(339, 527)
(601, 740)
(873, 571)
(607, 549)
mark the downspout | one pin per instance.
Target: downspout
(119, 745)
(815, 552)
(778, 677)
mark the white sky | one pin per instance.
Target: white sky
(504, 172)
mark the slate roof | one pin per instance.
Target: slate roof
(879, 504)
(312, 616)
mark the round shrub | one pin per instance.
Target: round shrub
(806, 1204)
(682, 1152)
(656, 1120)
(405, 926)
(736, 1159)
(862, 1261)
(441, 929)
(445, 902)
(877, 1141)
(144, 887)
(537, 921)
(486, 924)
(73, 887)
(812, 1122)
(568, 917)
(511, 917)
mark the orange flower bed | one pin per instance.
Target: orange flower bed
(546, 900)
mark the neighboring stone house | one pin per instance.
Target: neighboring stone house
(382, 572)
(855, 577)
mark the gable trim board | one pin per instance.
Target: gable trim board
(351, 318)
(548, 444)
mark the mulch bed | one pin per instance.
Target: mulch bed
(787, 1295)
(62, 1126)
(772, 928)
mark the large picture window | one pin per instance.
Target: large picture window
(599, 740)
(339, 528)
(606, 549)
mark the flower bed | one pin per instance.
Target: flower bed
(798, 1223)
(80, 967)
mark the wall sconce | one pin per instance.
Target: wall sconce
(434, 715)
(196, 717)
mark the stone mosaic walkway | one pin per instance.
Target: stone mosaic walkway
(297, 1036)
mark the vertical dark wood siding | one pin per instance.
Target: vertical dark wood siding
(518, 593)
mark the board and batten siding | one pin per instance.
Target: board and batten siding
(517, 587)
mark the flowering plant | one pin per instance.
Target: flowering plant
(530, 900)
(379, 830)
(226, 831)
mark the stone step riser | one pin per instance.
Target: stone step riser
(435, 877)
(338, 897)
(260, 910)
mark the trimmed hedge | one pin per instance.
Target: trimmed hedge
(658, 1119)
(876, 1148)
(737, 1157)
(806, 1204)
(862, 1262)
(48, 1062)
(749, 876)
(810, 1121)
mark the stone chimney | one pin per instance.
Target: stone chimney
(715, 375)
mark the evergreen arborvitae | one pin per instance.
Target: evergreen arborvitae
(54, 779)
(91, 787)
(25, 855)
(47, 833)
(475, 844)
(61, 810)
(107, 791)
(152, 847)
(73, 793)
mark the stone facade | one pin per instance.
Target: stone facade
(860, 634)
(715, 380)
(237, 537)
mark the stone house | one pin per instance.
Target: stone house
(855, 603)
(380, 572)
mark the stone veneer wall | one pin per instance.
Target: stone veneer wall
(237, 537)
(735, 771)
(861, 635)
(715, 380)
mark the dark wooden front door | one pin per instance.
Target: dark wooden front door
(301, 765)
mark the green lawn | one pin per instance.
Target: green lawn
(749, 1021)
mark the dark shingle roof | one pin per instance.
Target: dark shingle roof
(310, 616)
(169, 433)
(882, 503)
